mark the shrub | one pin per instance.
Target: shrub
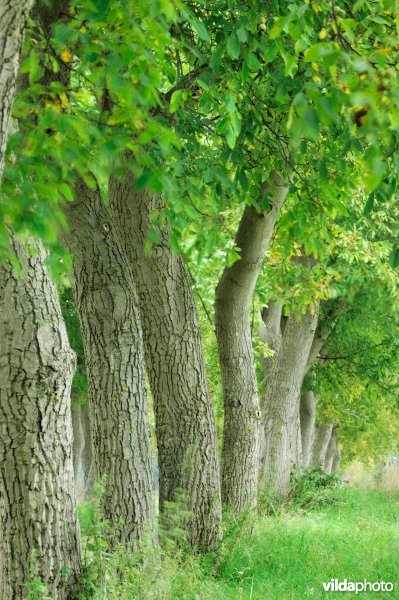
(312, 488)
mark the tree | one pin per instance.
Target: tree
(308, 423)
(232, 312)
(38, 520)
(107, 304)
(185, 428)
(320, 444)
(39, 528)
(282, 400)
(13, 22)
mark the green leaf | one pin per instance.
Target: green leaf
(270, 53)
(310, 122)
(233, 47)
(245, 71)
(201, 30)
(102, 6)
(291, 64)
(253, 62)
(242, 35)
(32, 66)
(277, 28)
(231, 136)
(177, 99)
(315, 53)
(394, 258)
(230, 103)
(369, 204)
(66, 191)
(216, 58)
(205, 104)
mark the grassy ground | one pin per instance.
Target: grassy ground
(285, 556)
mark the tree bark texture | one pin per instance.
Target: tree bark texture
(87, 454)
(320, 445)
(13, 17)
(37, 495)
(107, 305)
(240, 459)
(281, 402)
(185, 426)
(308, 423)
(82, 450)
(78, 445)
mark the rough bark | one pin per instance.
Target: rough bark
(78, 445)
(38, 509)
(82, 450)
(13, 17)
(87, 454)
(185, 427)
(320, 445)
(281, 402)
(240, 459)
(308, 423)
(107, 305)
(330, 452)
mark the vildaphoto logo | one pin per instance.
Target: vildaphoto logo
(357, 586)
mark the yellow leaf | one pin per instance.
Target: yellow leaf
(64, 100)
(323, 33)
(66, 56)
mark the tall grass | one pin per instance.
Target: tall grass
(282, 556)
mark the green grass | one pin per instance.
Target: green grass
(285, 556)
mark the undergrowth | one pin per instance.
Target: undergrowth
(321, 531)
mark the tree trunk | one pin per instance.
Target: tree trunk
(78, 445)
(234, 293)
(82, 450)
(282, 401)
(320, 445)
(107, 305)
(38, 508)
(330, 452)
(87, 454)
(336, 459)
(185, 427)
(13, 17)
(270, 333)
(308, 424)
